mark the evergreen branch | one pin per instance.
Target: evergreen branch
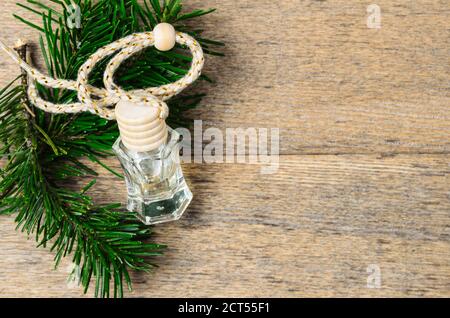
(105, 242)
(43, 151)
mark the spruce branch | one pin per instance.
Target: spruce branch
(43, 151)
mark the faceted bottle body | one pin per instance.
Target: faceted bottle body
(157, 190)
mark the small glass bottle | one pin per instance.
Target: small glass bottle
(157, 190)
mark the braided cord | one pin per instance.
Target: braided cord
(102, 101)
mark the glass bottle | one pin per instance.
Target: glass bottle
(157, 190)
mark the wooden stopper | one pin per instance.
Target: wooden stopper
(141, 128)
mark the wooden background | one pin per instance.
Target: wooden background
(364, 178)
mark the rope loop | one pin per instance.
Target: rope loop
(102, 101)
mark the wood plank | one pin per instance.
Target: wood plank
(333, 86)
(312, 229)
(315, 70)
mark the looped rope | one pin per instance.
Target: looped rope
(102, 101)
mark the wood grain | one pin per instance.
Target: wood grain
(364, 176)
(335, 216)
(314, 70)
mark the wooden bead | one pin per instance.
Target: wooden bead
(165, 36)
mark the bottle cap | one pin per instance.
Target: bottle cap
(140, 125)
